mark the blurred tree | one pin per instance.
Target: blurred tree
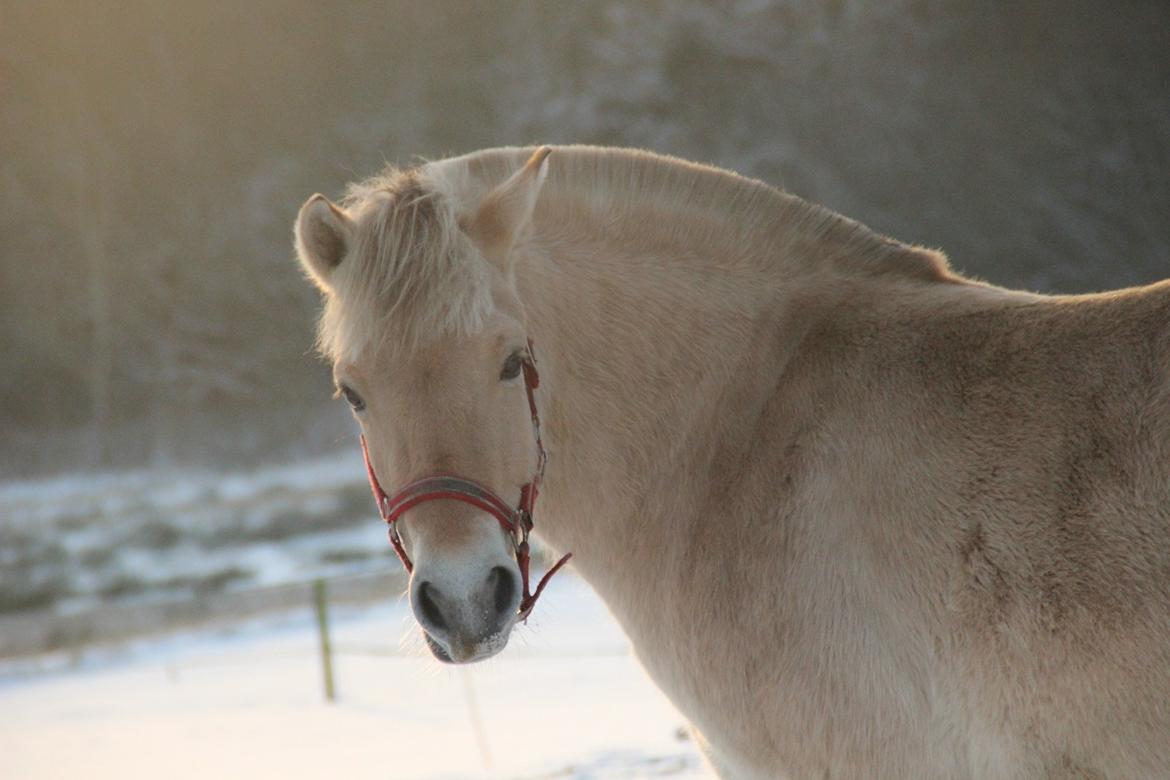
(82, 151)
(153, 156)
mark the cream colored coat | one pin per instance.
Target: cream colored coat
(859, 516)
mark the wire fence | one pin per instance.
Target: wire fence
(72, 634)
(63, 631)
(311, 606)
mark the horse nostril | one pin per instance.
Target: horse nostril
(430, 609)
(503, 585)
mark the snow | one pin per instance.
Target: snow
(95, 540)
(565, 700)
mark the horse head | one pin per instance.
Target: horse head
(429, 344)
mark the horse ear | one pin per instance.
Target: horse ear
(324, 234)
(505, 211)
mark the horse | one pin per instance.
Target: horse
(860, 516)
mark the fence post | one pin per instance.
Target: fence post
(321, 602)
(476, 718)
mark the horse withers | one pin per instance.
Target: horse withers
(859, 516)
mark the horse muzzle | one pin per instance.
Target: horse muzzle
(466, 618)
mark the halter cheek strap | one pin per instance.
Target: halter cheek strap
(517, 523)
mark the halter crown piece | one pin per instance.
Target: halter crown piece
(517, 523)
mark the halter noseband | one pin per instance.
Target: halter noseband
(517, 523)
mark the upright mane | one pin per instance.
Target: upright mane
(412, 273)
(703, 204)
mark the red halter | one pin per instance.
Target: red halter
(517, 523)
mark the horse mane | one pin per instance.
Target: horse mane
(737, 216)
(412, 272)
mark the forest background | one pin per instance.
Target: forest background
(153, 156)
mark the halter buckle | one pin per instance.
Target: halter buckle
(524, 523)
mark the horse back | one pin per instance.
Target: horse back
(1046, 496)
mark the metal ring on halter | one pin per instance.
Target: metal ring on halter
(512, 533)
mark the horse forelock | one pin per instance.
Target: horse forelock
(411, 274)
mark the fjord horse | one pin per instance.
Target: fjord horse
(860, 517)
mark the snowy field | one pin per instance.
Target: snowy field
(82, 541)
(566, 700)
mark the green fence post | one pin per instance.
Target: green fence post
(322, 604)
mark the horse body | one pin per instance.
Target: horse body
(860, 517)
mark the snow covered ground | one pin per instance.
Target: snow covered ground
(565, 700)
(78, 542)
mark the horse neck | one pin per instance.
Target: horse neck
(652, 357)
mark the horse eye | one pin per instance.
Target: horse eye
(512, 366)
(352, 398)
